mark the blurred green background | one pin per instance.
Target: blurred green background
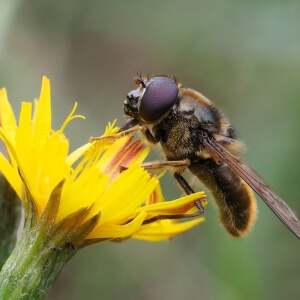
(244, 55)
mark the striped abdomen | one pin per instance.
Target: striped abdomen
(235, 199)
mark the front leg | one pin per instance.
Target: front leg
(117, 135)
(131, 123)
(127, 128)
(152, 139)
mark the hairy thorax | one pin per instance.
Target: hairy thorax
(181, 132)
(177, 141)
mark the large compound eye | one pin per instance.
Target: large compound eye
(160, 95)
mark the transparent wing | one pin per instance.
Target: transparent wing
(276, 204)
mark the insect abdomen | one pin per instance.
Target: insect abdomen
(236, 201)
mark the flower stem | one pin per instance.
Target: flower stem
(33, 266)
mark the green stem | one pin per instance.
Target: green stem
(33, 266)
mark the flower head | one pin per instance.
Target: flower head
(84, 196)
(98, 192)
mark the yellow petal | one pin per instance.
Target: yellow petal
(76, 154)
(125, 194)
(23, 137)
(11, 175)
(164, 229)
(118, 231)
(42, 116)
(180, 205)
(84, 191)
(156, 196)
(7, 118)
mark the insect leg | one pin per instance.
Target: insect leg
(127, 128)
(161, 164)
(117, 135)
(129, 125)
(187, 189)
(181, 181)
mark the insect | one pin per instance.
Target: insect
(194, 134)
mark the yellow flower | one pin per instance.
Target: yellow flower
(84, 194)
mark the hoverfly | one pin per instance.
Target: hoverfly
(191, 130)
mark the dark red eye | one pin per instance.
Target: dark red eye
(160, 95)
